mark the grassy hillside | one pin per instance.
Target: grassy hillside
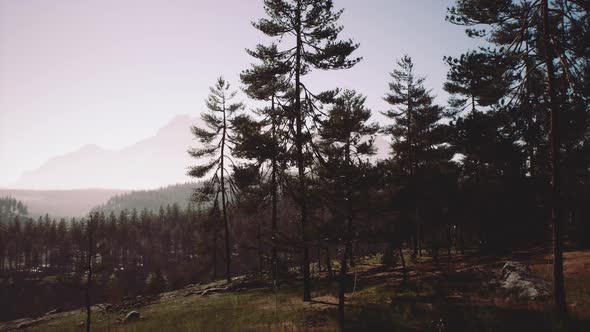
(432, 297)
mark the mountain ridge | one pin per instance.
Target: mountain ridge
(92, 166)
(151, 163)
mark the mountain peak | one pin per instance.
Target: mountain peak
(179, 123)
(162, 157)
(90, 148)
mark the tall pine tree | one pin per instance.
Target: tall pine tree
(311, 27)
(264, 141)
(416, 133)
(346, 143)
(217, 141)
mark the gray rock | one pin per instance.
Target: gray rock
(22, 325)
(132, 316)
(519, 281)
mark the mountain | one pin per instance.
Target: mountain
(61, 203)
(151, 163)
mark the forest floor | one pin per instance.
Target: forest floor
(439, 296)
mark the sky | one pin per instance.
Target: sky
(112, 72)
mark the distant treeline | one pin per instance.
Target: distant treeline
(9, 207)
(150, 199)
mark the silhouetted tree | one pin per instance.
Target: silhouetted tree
(346, 142)
(264, 141)
(217, 140)
(313, 24)
(417, 135)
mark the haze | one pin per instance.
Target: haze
(112, 73)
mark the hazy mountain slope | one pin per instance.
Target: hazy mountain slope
(150, 199)
(154, 162)
(61, 203)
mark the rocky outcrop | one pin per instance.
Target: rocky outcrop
(520, 283)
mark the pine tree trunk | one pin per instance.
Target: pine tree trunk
(88, 280)
(223, 200)
(319, 254)
(419, 239)
(342, 288)
(558, 282)
(449, 244)
(329, 263)
(300, 161)
(274, 198)
(402, 259)
(260, 258)
(215, 254)
(434, 247)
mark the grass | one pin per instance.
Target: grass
(248, 310)
(432, 298)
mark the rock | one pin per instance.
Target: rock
(22, 325)
(132, 316)
(519, 281)
(54, 311)
(514, 267)
(81, 324)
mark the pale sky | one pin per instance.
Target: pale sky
(112, 72)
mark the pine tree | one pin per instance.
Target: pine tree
(416, 133)
(540, 33)
(346, 142)
(312, 27)
(217, 139)
(477, 78)
(263, 141)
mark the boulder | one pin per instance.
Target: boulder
(132, 316)
(518, 281)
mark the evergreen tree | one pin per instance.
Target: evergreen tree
(346, 142)
(477, 78)
(312, 27)
(541, 33)
(264, 141)
(217, 139)
(417, 135)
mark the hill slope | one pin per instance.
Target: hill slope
(149, 199)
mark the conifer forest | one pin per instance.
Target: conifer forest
(461, 206)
